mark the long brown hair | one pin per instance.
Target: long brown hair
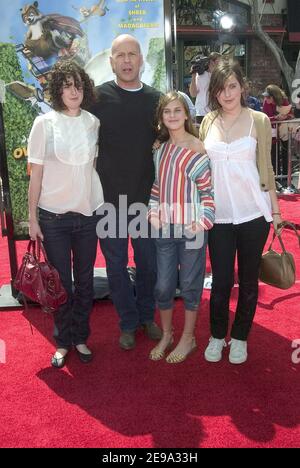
(218, 78)
(276, 93)
(163, 132)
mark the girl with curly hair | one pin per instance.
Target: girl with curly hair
(64, 194)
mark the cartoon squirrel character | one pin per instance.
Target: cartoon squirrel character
(99, 9)
(48, 34)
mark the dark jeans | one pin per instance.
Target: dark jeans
(133, 308)
(70, 242)
(225, 240)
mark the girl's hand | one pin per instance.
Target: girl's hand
(277, 221)
(156, 145)
(194, 227)
(155, 222)
(35, 231)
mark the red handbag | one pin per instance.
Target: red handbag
(39, 280)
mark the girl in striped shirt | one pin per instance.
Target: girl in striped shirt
(181, 208)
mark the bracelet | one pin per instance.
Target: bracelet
(279, 214)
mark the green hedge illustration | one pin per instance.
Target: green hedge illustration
(156, 58)
(18, 119)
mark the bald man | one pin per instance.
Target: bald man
(126, 108)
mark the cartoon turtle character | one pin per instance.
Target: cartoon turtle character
(48, 34)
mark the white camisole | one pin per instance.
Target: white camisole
(237, 193)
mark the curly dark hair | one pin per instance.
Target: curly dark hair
(62, 70)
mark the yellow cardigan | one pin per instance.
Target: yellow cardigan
(263, 150)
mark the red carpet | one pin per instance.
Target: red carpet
(122, 399)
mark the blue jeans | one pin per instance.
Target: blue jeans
(133, 307)
(172, 253)
(70, 242)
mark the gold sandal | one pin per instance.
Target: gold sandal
(158, 354)
(176, 358)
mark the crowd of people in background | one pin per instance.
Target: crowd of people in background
(272, 101)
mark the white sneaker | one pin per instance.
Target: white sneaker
(213, 352)
(238, 351)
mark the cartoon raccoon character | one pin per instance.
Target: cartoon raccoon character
(48, 34)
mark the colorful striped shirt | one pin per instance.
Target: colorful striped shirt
(182, 191)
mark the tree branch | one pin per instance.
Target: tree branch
(286, 69)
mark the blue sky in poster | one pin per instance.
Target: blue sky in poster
(100, 30)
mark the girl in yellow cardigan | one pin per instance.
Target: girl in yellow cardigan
(238, 143)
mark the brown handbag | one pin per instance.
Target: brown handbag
(278, 269)
(38, 280)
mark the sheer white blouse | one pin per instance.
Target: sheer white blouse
(66, 147)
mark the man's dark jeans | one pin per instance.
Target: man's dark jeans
(133, 308)
(70, 239)
(225, 240)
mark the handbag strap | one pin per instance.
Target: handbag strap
(293, 227)
(40, 247)
(31, 248)
(280, 240)
(36, 247)
(275, 234)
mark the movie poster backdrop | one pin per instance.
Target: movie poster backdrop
(34, 36)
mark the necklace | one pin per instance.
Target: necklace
(227, 130)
